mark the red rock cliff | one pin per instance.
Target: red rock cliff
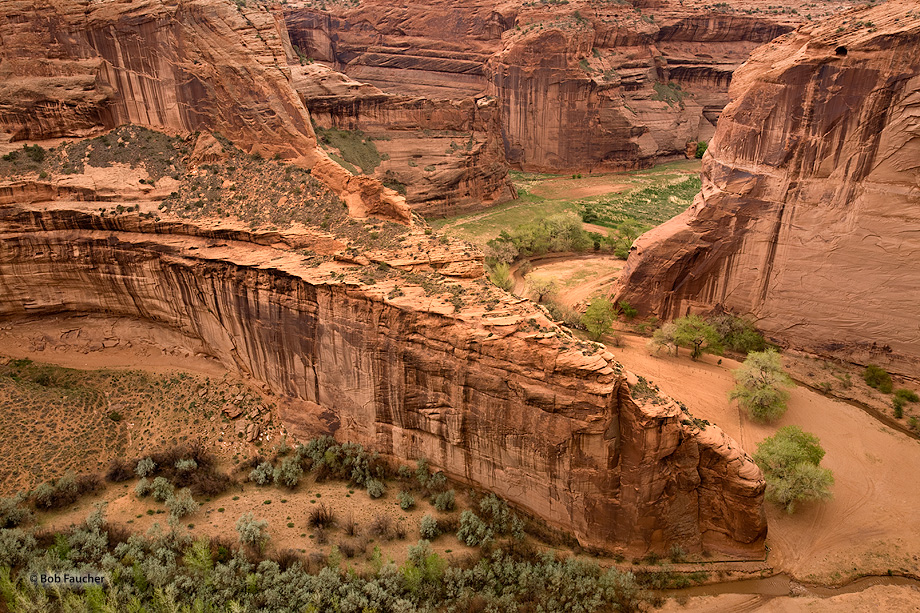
(809, 216)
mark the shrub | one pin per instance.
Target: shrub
(143, 488)
(628, 310)
(541, 288)
(381, 526)
(406, 500)
(321, 516)
(790, 462)
(428, 528)
(181, 504)
(878, 378)
(161, 489)
(598, 319)
(253, 532)
(289, 472)
(473, 531)
(761, 380)
(898, 404)
(445, 501)
(701, 147)
(737, 333)
(12, 514)
(376, 488)
(145, 467)
(500, 276)
(263, 474)
(907, 395)
(186, 465)
(119, 470)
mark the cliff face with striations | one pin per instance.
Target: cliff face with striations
(809, 216)
(580, 85)
(446, 154)
(396, 341)
(74, 68)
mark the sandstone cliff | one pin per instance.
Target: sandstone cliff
(580, 85)
(446, 155)
(809, 216)
(75, 68)
(390, 330)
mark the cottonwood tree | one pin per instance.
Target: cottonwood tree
(790, 463)
(697, 335)
(761, 380)
(598, 319)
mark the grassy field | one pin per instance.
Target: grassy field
(62, 419)
(650, 197)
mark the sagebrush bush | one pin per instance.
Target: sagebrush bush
(445, 501)
(376, 488)
(143, 488)
(428, 528)
(181, 504)
(145, 467)
(289, 472)
(186, 465)
(263, 474)
(406, 500)
(12, 513)
(253, 532)
(473, 531)
(161, 489)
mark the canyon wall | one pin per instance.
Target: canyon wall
(446, 155)
(580, 86)
(72, 68)
(500, 399)
(809, 215)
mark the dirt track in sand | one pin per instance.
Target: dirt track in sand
(871, 526)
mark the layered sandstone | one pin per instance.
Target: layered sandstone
(809, 216)
(395, 341)
(580, 85)
(445, 154)
(74, 68)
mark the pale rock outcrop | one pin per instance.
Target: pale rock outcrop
(809, 215)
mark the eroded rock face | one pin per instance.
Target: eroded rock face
(496, 395)
(580, 86)
(75, 68)
(809, 216)
(445, 154)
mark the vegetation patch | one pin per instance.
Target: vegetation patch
(355, 148)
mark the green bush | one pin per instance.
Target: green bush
(760, 382)
(737, 333)
(376, 488)
(181, 504)
(143, 488)
(500, 276)
(598, 318)
(878, 378)
(406, 500)
(898, 404)
(145, 467)
(161, 489)
(186, 465)
(428, 528)
(701, 147)
(790, 462)
(253, 532)
(907, 395)
(445, 501)
(628, 310)
(473, 531)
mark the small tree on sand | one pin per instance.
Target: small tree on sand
(790, 463)
(692, 332)
(761, 380)
(541, 288)
(598, 319)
